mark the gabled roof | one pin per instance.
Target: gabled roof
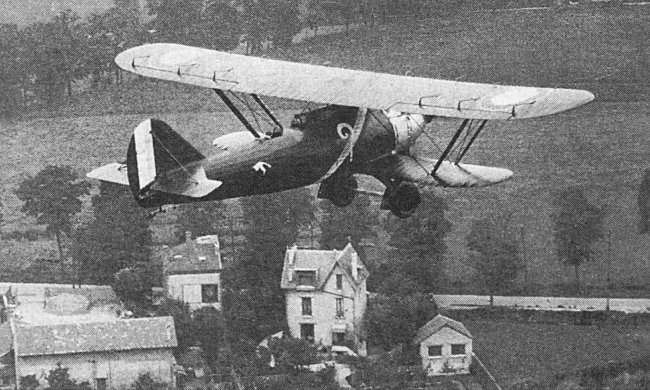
(321, 261)
(201, 255)
(438, 322)
(117, 335)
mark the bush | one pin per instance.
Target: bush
(146, 382)
(29, 382)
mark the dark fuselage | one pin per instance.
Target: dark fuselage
(301, 156)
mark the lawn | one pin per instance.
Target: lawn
(515, 352)
(602, 147)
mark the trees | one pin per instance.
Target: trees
(292, 353)
(419, 243)
(273, 223)
(52, 196)
(118, 237)
(644, 203)
(497, 259)
(577, 225)
(355, 222)
(59, 379)
(394, 319)
(200, 218)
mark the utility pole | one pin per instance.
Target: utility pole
(523, 257)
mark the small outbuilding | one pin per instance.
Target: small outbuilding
(445, 346)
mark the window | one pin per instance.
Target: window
(458, 349)
(209, 293)
(307, 332)
(306, 278)
(306, 306)
(339, 281)
(338, 338)
(435, 350)
(339, 308)
(101, 384)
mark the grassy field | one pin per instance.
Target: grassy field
(516, 352)
(603, 147)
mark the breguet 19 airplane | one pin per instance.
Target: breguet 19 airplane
(366, 123)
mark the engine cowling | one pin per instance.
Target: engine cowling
(401, 199)
(339, 189)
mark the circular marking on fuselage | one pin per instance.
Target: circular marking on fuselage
(179, 57)
(514, 96)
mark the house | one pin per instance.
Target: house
(106, 354)
(445, 346)
(192, 271)
(326, 296)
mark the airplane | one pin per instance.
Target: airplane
(366, 123)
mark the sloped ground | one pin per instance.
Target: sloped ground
(603, 146)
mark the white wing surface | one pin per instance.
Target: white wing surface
(321, 84)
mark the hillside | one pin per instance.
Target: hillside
(603, 147)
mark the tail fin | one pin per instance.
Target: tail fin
(158, 158)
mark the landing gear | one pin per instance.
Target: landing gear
(340, 189)
(402, 199)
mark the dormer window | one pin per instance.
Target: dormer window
(306, 278)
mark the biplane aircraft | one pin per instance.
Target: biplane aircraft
(367, 124)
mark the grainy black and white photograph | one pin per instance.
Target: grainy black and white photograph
(325, 194)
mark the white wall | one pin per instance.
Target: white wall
(324, 309)
(187, 288)
(446, 337)
(120, 368)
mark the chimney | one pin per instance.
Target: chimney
(292, 254)
(188, 236)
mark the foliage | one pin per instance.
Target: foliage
(383, 373)
(183, 322)
(29, 382)
(200, 218)
(208, 23)
(133, 285)
(644, 203)
(394, 319)
(52, 196)
(209, 331)
(146, 382)
(419, 243)
(273, 223)
(118, 237)
(355, 222)
(497, 260)
(577, 225)
(59, 379)
(293, 353)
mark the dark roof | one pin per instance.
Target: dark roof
(438, 322)
(321, 261)
(201, 255)
(117, 335)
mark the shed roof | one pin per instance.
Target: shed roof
(201, 255)
(117, 335)
(438, 322)
(321, 261)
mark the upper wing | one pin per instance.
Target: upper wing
(321, 84)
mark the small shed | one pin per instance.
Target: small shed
(445, 346)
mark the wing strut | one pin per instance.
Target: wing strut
(237, 113)
(268, 112)
(466, 126)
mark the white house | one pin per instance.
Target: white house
(106, 354)
(326, 296)
(445, 346)
(192, 271)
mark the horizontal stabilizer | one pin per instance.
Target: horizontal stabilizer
(114, 173)
(191, 182)
(449, 174)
